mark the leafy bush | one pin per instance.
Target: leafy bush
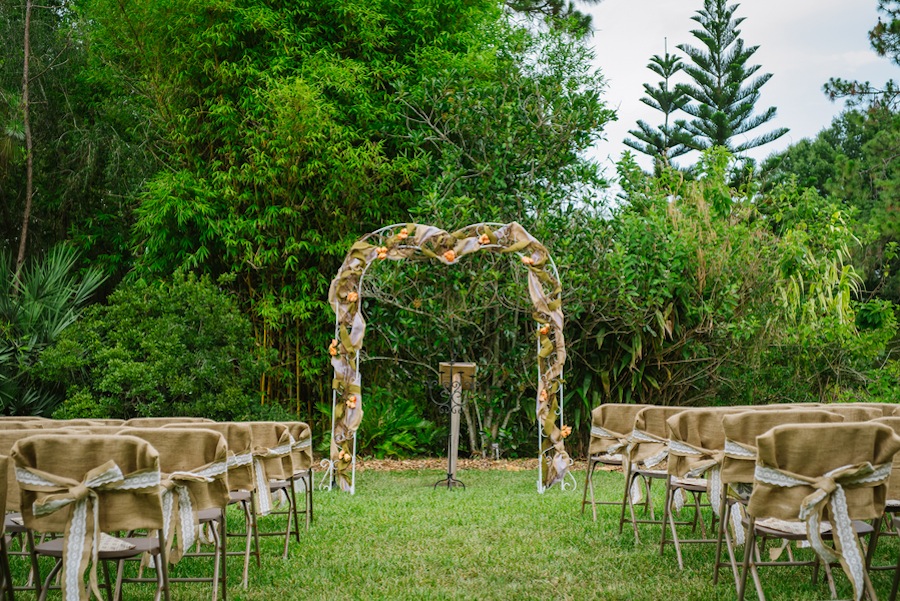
(36, 306)
(394, 426)
(178, 347)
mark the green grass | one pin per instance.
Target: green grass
(498, 539)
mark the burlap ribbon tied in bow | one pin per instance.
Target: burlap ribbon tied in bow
(176, 500)
(82, 533)
(637, 437)
(260, 477)
(706, 463)
(604, 434)
(829, 491)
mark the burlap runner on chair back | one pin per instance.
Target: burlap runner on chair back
(159, 422)
(240, 447)
(887, 409)
(741, 430)
(701, 433)
(31, 424)
(650, 424)
(894, 483)
(70, 458)
(8, 438)
(301, 453)
(814, 450)
(611, 425)
(854, 413)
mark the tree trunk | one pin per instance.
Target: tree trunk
(29, 158)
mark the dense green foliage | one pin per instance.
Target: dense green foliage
(36, 307)
(177, 347)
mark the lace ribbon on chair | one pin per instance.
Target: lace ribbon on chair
(829, 490)
(264, 507)
(637, 437)
(82, 534)
(710, 465)
(604, 434)
(177, 498)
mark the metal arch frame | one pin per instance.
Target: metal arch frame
(327, 482)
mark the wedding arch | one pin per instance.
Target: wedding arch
(402, 241)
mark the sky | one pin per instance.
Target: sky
(801, 43)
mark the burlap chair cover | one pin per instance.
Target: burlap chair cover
(62, 423)
(159, 422)
(893, 494)
(272, 445)
(648, 443)
(240, 451)
(854, 413)
(816, 472)
(741, 430)
(8, 438)
(887, 409)
(15, 424)
(611, 425)
(194, 465)
(301, 449)
(21, 418)
(82, 486)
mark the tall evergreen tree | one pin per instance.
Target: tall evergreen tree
(668, 140)
(725, 88)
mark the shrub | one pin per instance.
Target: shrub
(167, 348)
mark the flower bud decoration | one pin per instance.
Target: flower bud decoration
(544, 330)
(403, 235)
(544, 396)
(352, 297)
(527, 260)
(382, 252)
(450, 255)
(565, 431)
(351, 401)
(484, 239)
(332, 348)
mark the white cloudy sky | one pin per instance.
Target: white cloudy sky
(801, 42)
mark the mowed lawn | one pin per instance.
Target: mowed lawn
(397, 538)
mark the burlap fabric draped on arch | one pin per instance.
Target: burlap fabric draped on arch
(405, 241)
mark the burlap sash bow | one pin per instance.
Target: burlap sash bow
(709, 464)
(261, 479)
(637, 437)
(82, 533)
(176, 498)
(830, 491)
(736, 450)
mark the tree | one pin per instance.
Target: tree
(555, 12)
(885, 40)
(725, 88)
(668, 140)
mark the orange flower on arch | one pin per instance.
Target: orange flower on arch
(450, 255)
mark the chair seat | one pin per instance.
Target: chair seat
(691, 484)
(652, 473)
(212, 514)
(12, 523)
(797, 530)
(608, 459)
(279, 485)
(239, 496)
(54, 548)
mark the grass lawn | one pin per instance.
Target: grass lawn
(497, 539)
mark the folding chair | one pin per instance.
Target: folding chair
(241, 484)
(272, 470)
(194, 465)
(611, 424)
(301, 468)
(645, 457)
(814, 482)
(84, 487)
(6, 586)
(696, 445)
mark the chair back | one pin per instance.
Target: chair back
(649, 437)
(741, 430)
(8, 439)
(29, 424)
(159, 422)
(239, 439)
(70, 461)
(696, 437)
(62, 423)
(887, 409)
(611, 425)
(893, 494)
(811, 451)
(185, 453)
(854, 413)
(301, 453)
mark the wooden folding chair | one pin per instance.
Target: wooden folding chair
(813, 483)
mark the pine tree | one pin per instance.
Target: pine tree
(725, 88)
(668, 140)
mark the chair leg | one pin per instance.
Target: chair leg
(749, 541)
(896, 582)
(873, 541)
(309, 495)
(223, 556)
(589, 486)
(720, 535)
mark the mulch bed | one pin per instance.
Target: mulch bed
(438, 463)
